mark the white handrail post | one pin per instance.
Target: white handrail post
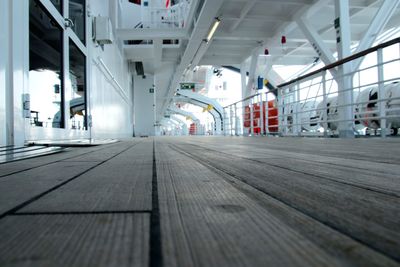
(381, 103)
(324, 111)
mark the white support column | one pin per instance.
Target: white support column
(324, 112)
(236, 121)
(381, 95)
(231, 120)
(4, 56)
(243, 79)
(243, 76)
(266, 115)
(281, 109)
(157, 51)
(273, 77)
(243, 103)
(317, 43)
(380, 20)
(252, 71)
(225, 119)
(251, 117)
(344, 79)
(297, 110)
(261, 114)
(18, 69)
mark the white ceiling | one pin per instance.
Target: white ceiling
(245, 25)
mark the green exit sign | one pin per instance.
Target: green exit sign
(187, 86)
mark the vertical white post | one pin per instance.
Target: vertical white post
(4, 66)
(243, 79)
(381, 94)
(252, 71)
(261, 114)
(243, 103)
(297, 109)
(244, 86)
(17, 70)
(231, 120)
(281, 109)
(324, 112)
(251, 117)
(266, 114)
(342, 26)
(236, 121)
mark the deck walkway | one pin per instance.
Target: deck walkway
(205, 201)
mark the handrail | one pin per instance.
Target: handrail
(342, 61)
(244, 99)
(120, 91)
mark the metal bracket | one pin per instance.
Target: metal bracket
(68, 23)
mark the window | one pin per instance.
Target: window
(77, 75)
(45, 69)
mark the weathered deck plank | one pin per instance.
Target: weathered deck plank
(75, 240)
(208, 222)
(365, 215)
(222, 202)
(120, 184)
(21, 187)
(73, 154)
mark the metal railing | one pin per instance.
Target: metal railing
(160, 18)
(328, 101)
(254, 115)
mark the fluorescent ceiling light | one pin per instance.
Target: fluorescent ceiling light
(213, 29)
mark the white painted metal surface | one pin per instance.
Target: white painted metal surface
(4, 31)
(144, 106)
(246, 29)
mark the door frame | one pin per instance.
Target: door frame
(40, 133)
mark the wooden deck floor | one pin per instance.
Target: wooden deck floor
(205, 201)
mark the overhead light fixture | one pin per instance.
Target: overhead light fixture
(213, 29)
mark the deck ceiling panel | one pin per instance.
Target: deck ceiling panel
(276, 9)
(257, 25)
(247, 25)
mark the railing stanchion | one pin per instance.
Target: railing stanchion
(381, 103)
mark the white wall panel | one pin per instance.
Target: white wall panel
(20, 65)
(111, 113)
(3, 65)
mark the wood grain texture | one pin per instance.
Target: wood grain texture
(21, 187)
(72, 154)
(221, 202)
(75, 240)
(368, 216)
(122, 183)
(207, 221)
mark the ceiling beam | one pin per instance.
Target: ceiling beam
(242, 35)
(246, 9)
(219, 61)
(316, 7)
(268, 18)
(379, 22)
(290, 60)
(150, 34)
(323, 51)
(209, 11)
